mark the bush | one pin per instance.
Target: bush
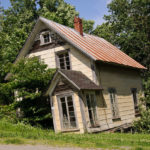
(29, 80)
(8, 112)
(143, 124)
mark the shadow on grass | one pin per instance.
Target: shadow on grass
(14, 141)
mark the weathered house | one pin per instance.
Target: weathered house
(96, 87)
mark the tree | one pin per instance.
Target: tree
(105, 31)
(30, 78)
(19, 19)
(129, 28)
(87, 25)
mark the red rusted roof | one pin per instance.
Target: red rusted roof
(95, 47)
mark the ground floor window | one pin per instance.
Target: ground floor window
(67, 112)
(135, 99)
(114, 105)
(91, 104)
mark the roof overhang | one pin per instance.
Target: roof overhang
(74, 78)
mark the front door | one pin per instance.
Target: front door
(68, 118)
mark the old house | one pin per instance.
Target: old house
(96, 87)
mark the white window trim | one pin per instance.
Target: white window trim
(42, 38)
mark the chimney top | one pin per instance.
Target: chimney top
(78, 25)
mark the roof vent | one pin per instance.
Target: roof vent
(78, 25)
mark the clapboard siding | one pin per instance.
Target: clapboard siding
(108, 76)
(122, 79)
(79, 61)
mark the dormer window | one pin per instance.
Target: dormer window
(45, 38)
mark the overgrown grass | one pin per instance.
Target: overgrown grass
(25, 134)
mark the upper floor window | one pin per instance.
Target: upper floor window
(135, 99)
(63, 60)
(114, 105)
(45, 38)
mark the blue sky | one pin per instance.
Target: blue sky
(88, 9)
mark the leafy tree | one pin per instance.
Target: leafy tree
(30, 78)
(87, 25)
(104, 31)
(19, 19)
(129, 28)
(143, 124)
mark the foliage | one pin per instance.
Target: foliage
(104, 31)
(30, 78)
(17, 21)
(87, 25)
(26, 134)
(128, 26)
(58, 10)
(8, 112)
(143, 124)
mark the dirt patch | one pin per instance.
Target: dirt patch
(36, 147)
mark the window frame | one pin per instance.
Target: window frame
(115, 103)
(61, 111)
(63, 52)
(42, 38)
(96, 124)
(136, 96)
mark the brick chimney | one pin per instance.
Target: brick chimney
(78, 25)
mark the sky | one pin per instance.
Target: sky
(88, 9)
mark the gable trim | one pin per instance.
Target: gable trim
(55, 80)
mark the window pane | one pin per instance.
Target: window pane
(114, 107)
(64, 112)
(46, 38)
(69, 120)
(71, 112)
(91, 103)
(64, 61)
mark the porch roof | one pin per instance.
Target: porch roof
(79, 79)
(76, 78)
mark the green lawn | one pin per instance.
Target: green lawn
(25, 134)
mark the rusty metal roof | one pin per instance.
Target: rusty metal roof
(95, 47)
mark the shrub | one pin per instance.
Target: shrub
(143, 124)
(8, 112)
(30, 79)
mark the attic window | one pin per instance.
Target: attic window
(45, 38)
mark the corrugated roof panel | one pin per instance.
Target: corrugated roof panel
(94, 46)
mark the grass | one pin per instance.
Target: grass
(25, 134)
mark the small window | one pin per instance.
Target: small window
(135, 99)
(67, 112)
(64, 60)
(91, 104)
(114, 105)
(45, 38)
